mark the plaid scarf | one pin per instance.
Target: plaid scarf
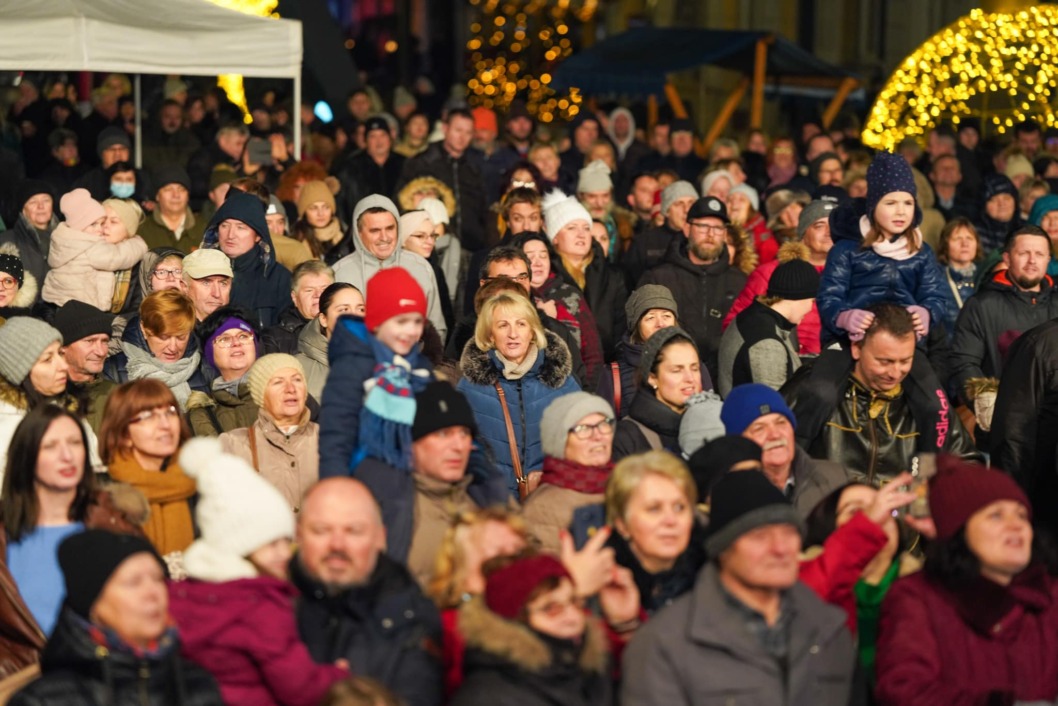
(575, 476)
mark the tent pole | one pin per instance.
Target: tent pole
(846, 87)
(652, 112)
(139, 122)
(760, 71)
(297, 117)
(673, 96)
(725, 114)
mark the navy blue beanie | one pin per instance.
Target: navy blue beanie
(747, 403)
(888, 173)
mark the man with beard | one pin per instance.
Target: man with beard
(760, 414)
(595, 191)
(1009, 303)
(865, 411)
(85, 337)
(356, 603)
(698, 272)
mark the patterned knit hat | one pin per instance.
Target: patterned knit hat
(22, 340)
(888, 173)
(12, 264)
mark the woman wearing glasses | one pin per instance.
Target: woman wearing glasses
(576, 433)
(160, 344)
(231, 344)
(141, 435)
(418, 235)
(161, 268)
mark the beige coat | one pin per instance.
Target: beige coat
(290, 462)
(549, 509)
(312, 354)
(83, 266)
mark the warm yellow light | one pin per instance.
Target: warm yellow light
(232, 83)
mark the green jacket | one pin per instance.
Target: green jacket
(221, 411)
(156, 234)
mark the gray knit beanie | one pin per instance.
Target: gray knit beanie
(373, 201)
(676, 190)
(647, 297)
(22, 340)
(652, 348)
(701, 422)
(563, 414)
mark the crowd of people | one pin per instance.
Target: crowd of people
(459, 409)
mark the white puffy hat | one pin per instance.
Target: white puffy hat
(561, 210)
(437, 210)
(238, 512)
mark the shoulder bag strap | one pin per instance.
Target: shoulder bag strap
(253, 448)
(516, 461)
(652, 437)
(615, 372)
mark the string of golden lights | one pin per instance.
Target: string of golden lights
(515, 46)
(997, 67)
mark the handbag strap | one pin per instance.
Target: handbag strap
(516, 461)
(253, 448)
(615, 372)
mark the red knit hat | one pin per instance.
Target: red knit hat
(508, 589)
(391, 293)
(961, 488)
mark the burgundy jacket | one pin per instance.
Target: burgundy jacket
(245, 634)
(984, 645)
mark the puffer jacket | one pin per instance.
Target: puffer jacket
(220, 411)
(997, 313)
(648, 410)
(526, 400)
(506, 662)
(312, 353)
(260, 284)
(352, 361)
(245, 634)
(704, 295)
(76, 671)
(605, 292)
(83, 266)
(359, 267)
(856, 277)
(757, 286)
(289, 461)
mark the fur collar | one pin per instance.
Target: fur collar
(479, 368)
(516, 643)
(793, 250)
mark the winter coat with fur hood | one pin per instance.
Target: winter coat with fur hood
(526, 400)
(757, 286)
(83, 266)
(509, 663)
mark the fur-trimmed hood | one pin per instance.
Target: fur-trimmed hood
(27, 293)
(552, 368)
(516, 643)
(792, 250)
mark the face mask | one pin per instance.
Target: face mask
(122, 190)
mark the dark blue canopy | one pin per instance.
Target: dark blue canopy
(637, 61)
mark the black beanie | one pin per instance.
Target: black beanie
(28, 188)
(742, 502)
(440, 406)
(712, 462)
(794, 280)
(76, 320)
(89, 558)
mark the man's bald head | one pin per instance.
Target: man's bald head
(340, 533)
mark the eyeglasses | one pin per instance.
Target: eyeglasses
(586, 431)
(155, 415)
(166, 274)
(521, 277)
(431, 236)
(553, 609)
(241, 339)
(710, 229)
(8, 283)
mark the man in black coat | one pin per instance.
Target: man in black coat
(648, 248)
(356, 603)
(449, 161)
(699, 274)
(374, 170)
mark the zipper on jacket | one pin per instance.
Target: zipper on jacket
(145, 677)
(874, 447)
(521, 411)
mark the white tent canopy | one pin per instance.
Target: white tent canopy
(188, 37)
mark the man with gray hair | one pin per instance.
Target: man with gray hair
(375, 224)
(649, 247)
(356, 603)
(208, 276)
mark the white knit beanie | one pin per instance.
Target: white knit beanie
(594, 178)
(437, 210)
(557, 214)
(412, 221)
(238, 512)
(750, 193)
(711, 178)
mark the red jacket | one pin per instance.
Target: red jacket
(245, 634)
(757, 286)
(984, 645)
(833, 574)
(764, 241)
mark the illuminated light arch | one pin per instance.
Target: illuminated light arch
(999, 67)
(232, 83)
